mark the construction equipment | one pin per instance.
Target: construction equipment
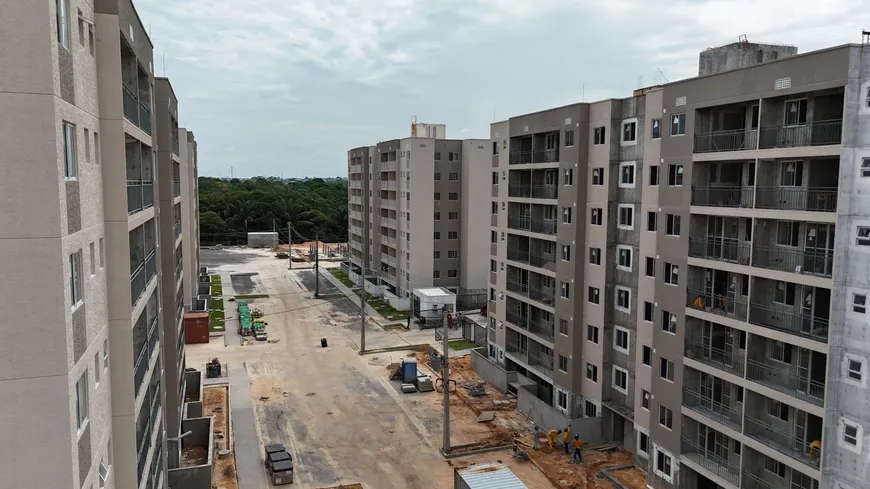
(520, 455)
(213, 369)
(280, 464)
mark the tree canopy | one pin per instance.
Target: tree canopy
(232, 207)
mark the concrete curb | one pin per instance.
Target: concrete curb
(450, 456)
(394, 348)
(612, 479)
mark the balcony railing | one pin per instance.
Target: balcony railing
(175, 145)
(545, 191)
(131, 105)
(541, 362)
(543, 329)
(545, 295)
(389, 165)
(388, 204)
(735, 140)
(544, 226)
(720, 249)
(813, 199)
(389, 222)
(388, 185)
(810, 134)
(140, 195)
(717, 304)
(521, 256)
(522, 157)
(787, 320)
(727, 415)
(354, 184)
(176, 188)
(787, 382)
(794, 446)
(723, 196)
(517, 320)
(143, 274)
(179, 269)
(176, 229)
(808, 262)
(731, 362)
(143, 357)
(518, 287)
(711, 461)
(389, 260)
(752, 481)
(540, 260)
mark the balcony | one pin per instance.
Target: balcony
(730, 362)
(711, 461)
(819, 133)
(726, 415)
(388, 185)
(806, 262)
(143, 274)
(779, 379)
(734, 140)
(812, 199)
(137, 111)
(175, 145)
(543, 226)
(389, 241)
(176, 188)
(720, 249)
(793, 446)
(389, 165)
(389, 222)
(720, 305)
(140, 195)
(143, 358)
(389, 260)
(354, 184)
(544, 295)
(523, 157)
(533, 191)
(540, 260)
(179, 269)
(786, 320)
(542, 328)
(741, 197)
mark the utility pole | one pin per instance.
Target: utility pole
(289, 245)
(316, 267)
(445, 375)
(362, 304)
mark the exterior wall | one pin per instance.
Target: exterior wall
(420, 247)
(475, 214)
(740, 55)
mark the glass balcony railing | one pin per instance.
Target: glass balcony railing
(140, 195)
(136, 110)
(141, 276)
(176, 229)
(176, 188)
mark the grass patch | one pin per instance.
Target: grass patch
(461, 344)
(342, 277)
(217, 290)
(216, 280)
(252, 296)
(217, 304)
(395, 326)
(386, 310)
(216, 321)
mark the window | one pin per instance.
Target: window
(656, 129)
(663, 465)
(791, 173)
(671, 274)
(452, 274)
(87, 146)
(565, 290)
(620, 339)
(592, 333)
(626, 174)
(669, 322)
(495, 178)
(562, 399)
(493, 266)
(673, 225)
(648, 311)
(650, 266)
(566, 252)
(451, 156)
(644, 399)
(599, 134)
(453, 196)
(784, 293)
(863, 236)
(781, 352)
(854, 368)
(598, 176)
(563, 327)
(70, 167)
(777, 409)
(651, 221)
(563, 363)
(438, 158)
(569, 137)
(453, 254)
(104, 473)
(452, 235)
(796, 112)
(626, 216)
(620, 379)
(568, 178)
(97, 369)
(859, 303)
(678, 124)
(643, 441)
(774, 467)
(595, 220)
(865, 167)
(82, 400)
(437, 176)
(595, 256)
(594, 295)
(63, 23)
(453, 176)
(96, 135)
(493, 237)
(787, 233)
(675, 175)
(106, 353)
(653, 175)
(93, 257)
(75, 278)
(566, 215)
(592, 372)
(623, 257)
(623, 299)
(590, 410)
(437, 196)
(666, 417)
(437, 235)
(436, 274)
(646, 357)
(666, 369)
(629, 132)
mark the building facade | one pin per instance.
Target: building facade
(435, 179)
(82, 386)
(689, 265)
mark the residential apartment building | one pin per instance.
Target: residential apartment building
(82, 370)
(438, 182)
(690, 265)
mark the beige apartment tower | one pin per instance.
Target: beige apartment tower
(416, 209)
(684, 271)
(82, 370)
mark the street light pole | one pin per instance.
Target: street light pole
(316, 266)
(445, 375)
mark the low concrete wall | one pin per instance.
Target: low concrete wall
(548, 417)
(193, 386)
(192, 410)
(491, 371)
(397, 302)
(196, 476)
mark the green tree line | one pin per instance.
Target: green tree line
(233, 207)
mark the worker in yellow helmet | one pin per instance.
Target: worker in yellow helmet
(567, 439)
(551, 436)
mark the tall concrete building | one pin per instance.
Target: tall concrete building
(82, 370)
(689, 265)
(438, 182)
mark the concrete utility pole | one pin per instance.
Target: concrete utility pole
(445, 375)
(362, 304)
(289, 245)
(316, 267)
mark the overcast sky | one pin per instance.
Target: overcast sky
(274, 87)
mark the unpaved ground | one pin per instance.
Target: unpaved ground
(215, 403)
(633, 478)
(563, 473)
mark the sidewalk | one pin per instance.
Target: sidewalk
(249, 464)
(231, 312)
(370, 311)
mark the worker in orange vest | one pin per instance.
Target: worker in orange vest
(578, 444)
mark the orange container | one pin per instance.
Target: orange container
(195, 327)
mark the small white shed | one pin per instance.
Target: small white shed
(263, 240)
(492, 475)
(433, 299)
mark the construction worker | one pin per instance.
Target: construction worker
(578, 444)
(552, 436)
(567, 439)
(535, 438)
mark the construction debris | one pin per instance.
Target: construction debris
(486, 416)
